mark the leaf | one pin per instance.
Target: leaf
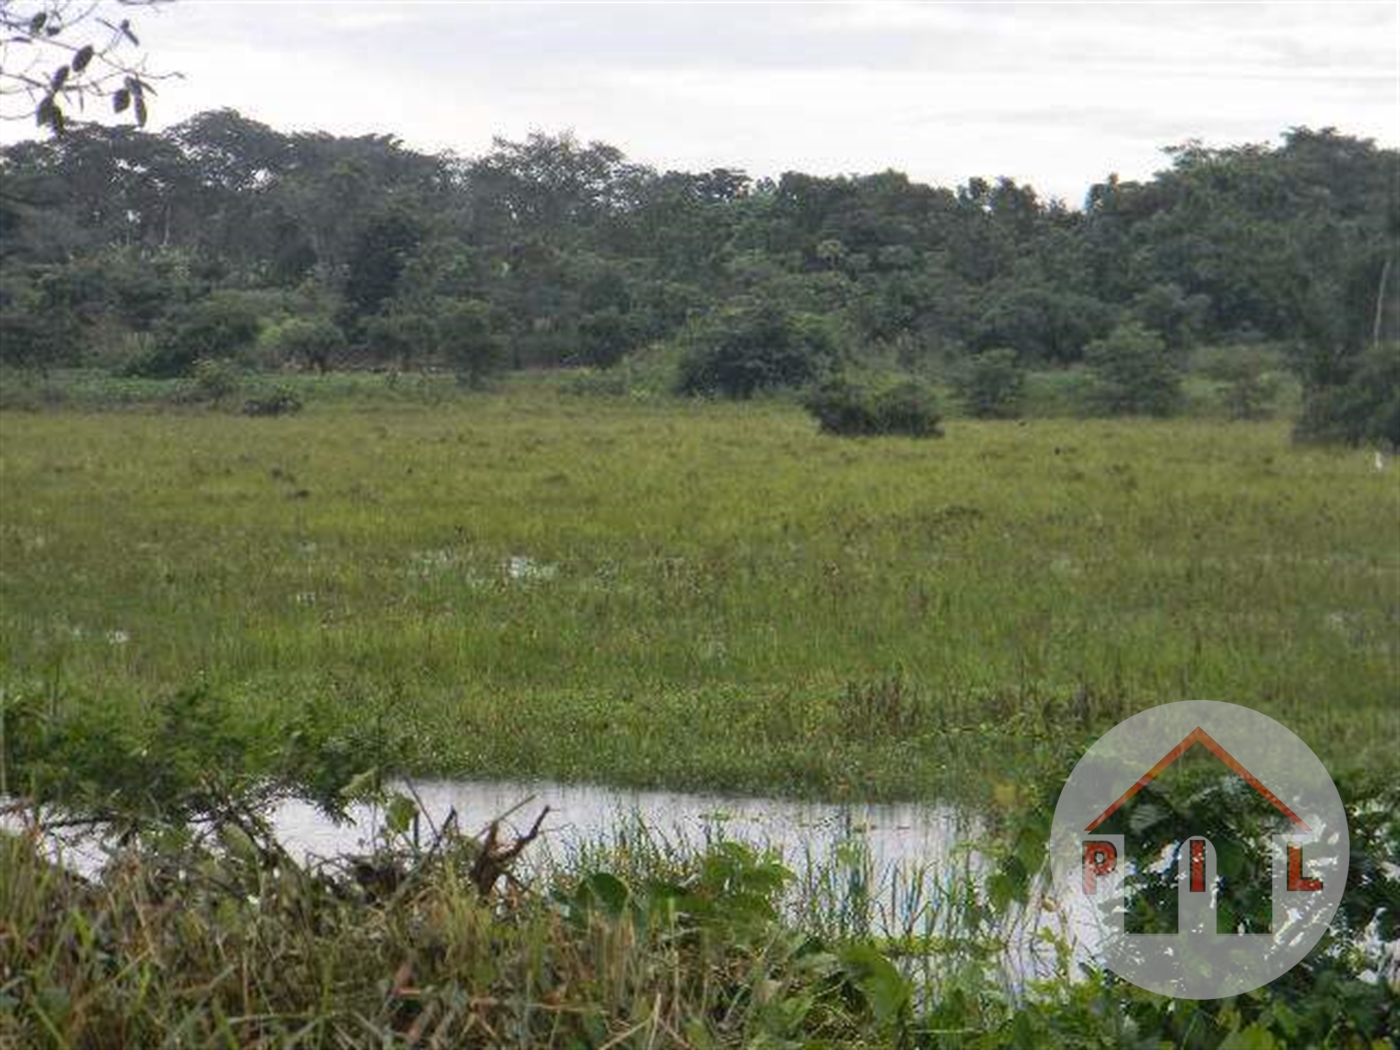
(47, 114)
(37, 22)
(121, 98)
(608, 890)
(400, 813)
(361, 784)
(140, 111)
(238, 843)
(1010, 883)
(82, 58)
(884, 987)
(1255, 1037)
(59, 78)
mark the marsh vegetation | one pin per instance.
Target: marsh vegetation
(325, 463)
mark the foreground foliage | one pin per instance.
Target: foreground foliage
(207, 932)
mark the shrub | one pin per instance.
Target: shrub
(1226, 363)
(1166, 308)
(847, 409)
(1361, 402)
(1040, 322)
(279, 402)
(33, 340)
(991, 384)
(400, 336)
(907, 408)
(1132, 373)
(311, 342)
(217, 327)
(213, 381)
(1249, 372)
(467, 338)
(741, 351)
(841, 407)
(604, 338)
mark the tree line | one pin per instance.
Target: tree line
(222, 237)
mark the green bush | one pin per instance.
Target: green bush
(309, 342)
(740, 351)
(214, 381)
(279, 402)
(991, 384)
(400, 337)
(217, 327)
(907, 408)
(850, 410)
(604, 338)
(1132, 373)
(33, 340)
(841, 407)
(1361, 403)
(1227, 362)
(1250, 375)
(468, 340)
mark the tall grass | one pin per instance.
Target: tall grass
(222, 939)
(701, 595)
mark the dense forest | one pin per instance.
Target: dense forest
(146, 253)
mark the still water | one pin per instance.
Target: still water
(908, 837)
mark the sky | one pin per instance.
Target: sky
(1057, 95)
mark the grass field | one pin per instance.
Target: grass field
(701, 595)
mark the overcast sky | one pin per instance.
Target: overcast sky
(1055, 94)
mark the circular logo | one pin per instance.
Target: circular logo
(1200, 849)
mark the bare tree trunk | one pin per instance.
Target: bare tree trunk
(1380, 304)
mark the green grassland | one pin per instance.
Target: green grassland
(702, 595)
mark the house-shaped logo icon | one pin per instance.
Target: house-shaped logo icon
(1099, 869)
(1196, 869)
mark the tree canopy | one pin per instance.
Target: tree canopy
(581, 256)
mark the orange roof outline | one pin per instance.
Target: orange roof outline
(1199, 736)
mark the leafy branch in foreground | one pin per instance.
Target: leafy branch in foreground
(57, 54)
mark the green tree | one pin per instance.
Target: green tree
(1040, 321)
(743, 350)
(377, 257)
(402, 336)
(605, 337)
(468, 341)
(213, 328)
(310, 342)
(1179, 317)
(1133, 374)
(991, 384)
(1250, 375)
(33, 340)
(1359, 406)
